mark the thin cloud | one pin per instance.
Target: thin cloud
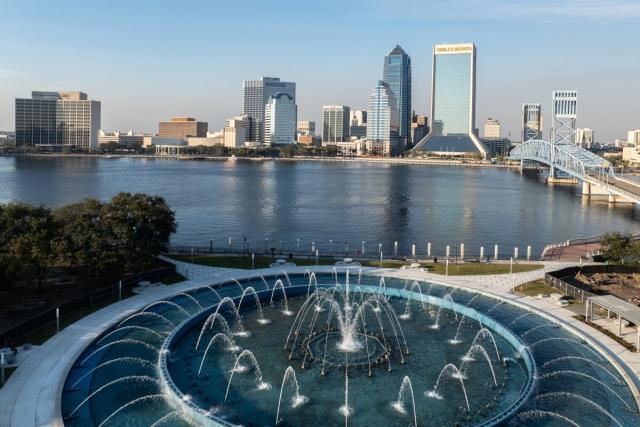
(10, 73)
(611, 10)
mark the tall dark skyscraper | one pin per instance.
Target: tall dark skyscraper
(397, 75)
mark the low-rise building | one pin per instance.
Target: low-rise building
(154, 140)
(237, 131)
(212, 139)
(120, 139)
(183, 127)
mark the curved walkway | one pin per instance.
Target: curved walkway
(31, 396)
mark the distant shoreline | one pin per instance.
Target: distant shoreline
(373, 160)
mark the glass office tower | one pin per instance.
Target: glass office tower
(453, 99)
(257, 94)
(397, 75)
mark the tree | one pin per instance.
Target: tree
(618, 247)
(141, 225)
(26, 233)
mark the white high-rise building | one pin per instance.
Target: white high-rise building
(633, 137)
(256, 96)
(280, 120)
(585, 138)
(237, 131)
(358, 118)
(492, 129)
(531, 122)
(565, 113)
(383, 121)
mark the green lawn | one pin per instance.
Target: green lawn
(535, 288)
(230, 261)
(478, 269)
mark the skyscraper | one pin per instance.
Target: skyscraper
(256, 96)
(585, 138)
(397, 74)
(336, 121)
(492, 129)
(453, 102)
(280, 120)
(531, 122)
(382, 121)
(564, 112)
(53, 120)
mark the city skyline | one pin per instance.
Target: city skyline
(120, 63)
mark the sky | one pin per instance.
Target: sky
(147, 60)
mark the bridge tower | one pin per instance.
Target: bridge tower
(564, 115)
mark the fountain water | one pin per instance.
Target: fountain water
(159, 397)
(399, 404)
(537, 414)
(252, 291)
(260, 383)
(407, 310)
(468, 357)
(589, 377)
(297, 399)
(535, 328)
(522, 316)
(137, 360)
(128, 379)
(171, 303)
(149, 314)
(484, 333)
(165, 418)
(130, 328)
(231, 346)
(546, 340)
(210, 321)
(280, 285)
(126, 341)
(572, 397)
(452, 371)
(583, 359)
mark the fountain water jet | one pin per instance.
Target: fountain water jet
(583, 359)
(131, 403)
(468, 357)
(231, 346)
(399, 405)
(572, 397)
(286, 310)
(129, 328)
(260, 383)
(250, 290)
(130, 378)
(537, 414)
(297, 398)
(127, 359)
(453, 371)
(119, 342)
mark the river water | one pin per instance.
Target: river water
(318, 202)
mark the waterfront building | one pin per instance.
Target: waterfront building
(492, 129)
(307, 128)
(564, 116)
(633, 138)
(120, 139)
(336, 121)
(237, 131)
(280, 120)
(453, 103)
(497, 147)
(154, 140)
(54, 120)
(382, 121)
(397, 74)
(585, 138)
(183, 127)
(419, 127)
(531, 122)
(358, 118)
(348, 148)
(256, 96)
(211, 140)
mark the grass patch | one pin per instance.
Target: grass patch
(608, 333)
(533, 289)
(470, 269)
(244, 262)
(385, 264)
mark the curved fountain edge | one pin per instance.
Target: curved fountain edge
(200, 416)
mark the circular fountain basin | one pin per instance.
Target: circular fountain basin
(329, 350)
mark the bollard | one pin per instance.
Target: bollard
(481, 252)
(495, 252)
(119, 290)
(380, 259)
(380, 247)
(280, 247)
(446, 269)
(395, 249)
(511, 266)
(429, 250)
(298, 244)
(313, 247)
(317, 256)
(462, 251)
(413, 251)
(253, 261)
(529, 253)
(362, 247)
(448, 252)
(229, 244)
(515, 253)
(330, 246)
(57, 319)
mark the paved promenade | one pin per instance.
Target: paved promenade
(32, 394)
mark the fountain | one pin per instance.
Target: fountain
(180, 361)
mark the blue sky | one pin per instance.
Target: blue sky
(147, 60)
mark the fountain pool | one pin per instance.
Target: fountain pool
(341, 349)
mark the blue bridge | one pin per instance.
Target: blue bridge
(569, 160)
